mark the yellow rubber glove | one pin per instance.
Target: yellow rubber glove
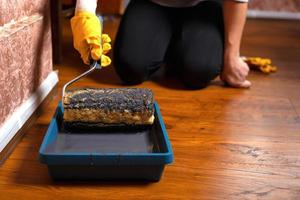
(86, 30)
(262, 64)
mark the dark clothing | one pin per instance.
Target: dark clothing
(188, 39)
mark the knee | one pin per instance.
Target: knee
(197, 75)
(130, 69)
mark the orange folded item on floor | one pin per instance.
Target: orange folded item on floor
(262, 64)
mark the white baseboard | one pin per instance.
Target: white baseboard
(273, 15)
(15, 121)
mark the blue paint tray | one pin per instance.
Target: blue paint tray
(106, 154)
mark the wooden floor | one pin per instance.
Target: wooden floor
(228, 143)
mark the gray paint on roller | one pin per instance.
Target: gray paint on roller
(132, 100)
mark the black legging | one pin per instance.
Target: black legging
(150, 35)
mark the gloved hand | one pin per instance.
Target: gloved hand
(87, 31)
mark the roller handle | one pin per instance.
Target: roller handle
(93, 65)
